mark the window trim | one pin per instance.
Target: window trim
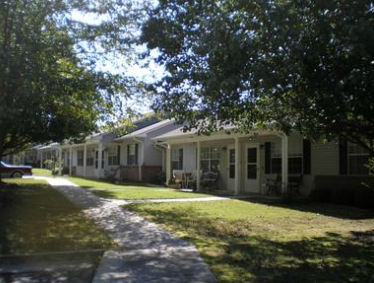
(132, 159)
(177, 158)
(363, 153)
(90, 158)
(80, 157)
(210, 157)
(113, 157)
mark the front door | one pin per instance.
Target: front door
(252, 178)
(231, 168)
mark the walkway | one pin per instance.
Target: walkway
(145, 252)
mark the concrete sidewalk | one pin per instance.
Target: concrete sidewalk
(145, 253)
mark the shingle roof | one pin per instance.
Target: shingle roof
(142, 132)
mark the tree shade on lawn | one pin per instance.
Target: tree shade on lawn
(35, 218)
(247, 242)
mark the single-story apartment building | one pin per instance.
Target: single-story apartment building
(245, 163)
(131, 157)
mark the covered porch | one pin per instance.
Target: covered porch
(237, 159)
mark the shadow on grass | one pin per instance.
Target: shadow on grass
(239, 252)
(36, 218)
(103, 193)
(327, 209)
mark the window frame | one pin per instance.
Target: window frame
(177, 159)
(360, 152)
(276, 162)
(80, 157)
(132, 154)
(90, 158)
(113, 158)
(210, 155)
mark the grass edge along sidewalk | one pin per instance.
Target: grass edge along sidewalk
(248, 242)
(36, 219)
(131, 191)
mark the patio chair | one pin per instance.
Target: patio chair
(180, 177)
(192, 179)
(209, 180)
(294, 183)
(274, 186)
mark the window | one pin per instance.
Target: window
(210, 159)
(132, 154)
(97, 159)
(232, 163)
(80, 158)
(357, 159)
(177, 159)
(276, 158)
(295, 157)
(252, 163)
(65, 158)
(90, 158)
(113, 155)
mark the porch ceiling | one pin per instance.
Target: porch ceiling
(218, 137)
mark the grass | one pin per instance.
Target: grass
(41, 172)
(249, 242)
(35, 218)
(131, 191)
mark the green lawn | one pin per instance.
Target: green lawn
(248, 242)
(41, 172)
(131, 191)
(35, 218)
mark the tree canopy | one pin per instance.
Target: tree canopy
(50, 85)
(307, 65)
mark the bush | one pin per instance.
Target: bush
(65, 171)
(359, 197)
(160, 178)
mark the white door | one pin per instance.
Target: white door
(252, 172)
(231, 168)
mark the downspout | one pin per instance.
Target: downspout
(142, 158)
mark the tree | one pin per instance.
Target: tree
(50, 86)
(306, 65)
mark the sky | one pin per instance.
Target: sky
(143, 70)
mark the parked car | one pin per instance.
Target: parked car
(14, 171)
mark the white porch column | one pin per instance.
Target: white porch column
(141, 161)
(70, 160)
(284, 163)
(41, 159)
(198, 168)
(99, 159)
(84, 160)
(60, 164)
(237, 166)
(168, 164)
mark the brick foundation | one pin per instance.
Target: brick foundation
(131, 173)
